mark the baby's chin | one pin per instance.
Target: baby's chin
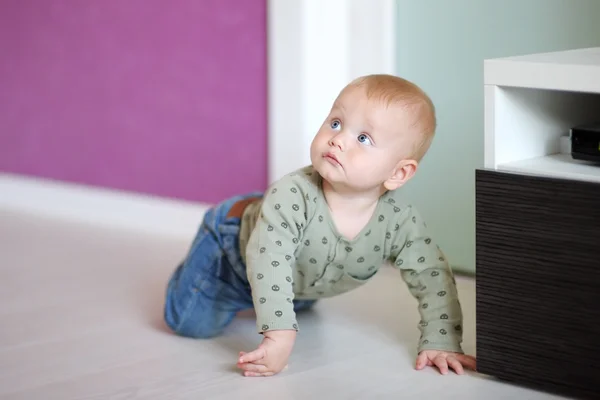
(329, 175)
(344, 183)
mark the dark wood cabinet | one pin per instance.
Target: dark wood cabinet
(538, 281)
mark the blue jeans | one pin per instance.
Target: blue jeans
(210, 286)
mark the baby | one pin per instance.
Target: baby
(324, 230)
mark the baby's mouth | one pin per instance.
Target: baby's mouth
(332, 159)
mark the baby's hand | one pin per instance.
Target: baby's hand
(271, 356)
(443, 359)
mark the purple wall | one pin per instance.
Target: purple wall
(154, 96)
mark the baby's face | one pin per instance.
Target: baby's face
(361, 141)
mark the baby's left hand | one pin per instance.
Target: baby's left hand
(443, 360)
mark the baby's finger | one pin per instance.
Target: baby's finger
(255, 374)
(440, 362)
(421, 361)
(253, 367)
(456, 365)
(252, 356)
(467, 361)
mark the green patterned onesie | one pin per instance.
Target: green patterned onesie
(292, 250)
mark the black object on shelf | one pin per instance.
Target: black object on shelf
(585, 142)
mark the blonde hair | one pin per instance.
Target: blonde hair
(393, 90)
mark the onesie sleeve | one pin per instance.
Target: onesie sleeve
(270, 253)
(429, 278)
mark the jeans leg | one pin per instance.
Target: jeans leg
(193, 306)
(303, 305)
(204, 293)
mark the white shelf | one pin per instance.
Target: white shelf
(555, 166)
(532, 101)
(573, 70)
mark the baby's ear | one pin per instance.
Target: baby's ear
(401, 174)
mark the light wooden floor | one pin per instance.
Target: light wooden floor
(80, 312)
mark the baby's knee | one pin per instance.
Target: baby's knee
(192, 324)
(186, 329)
(195, 331)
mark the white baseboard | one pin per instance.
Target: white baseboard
(100, 206)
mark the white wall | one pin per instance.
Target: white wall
(441, 46)
(315, 48)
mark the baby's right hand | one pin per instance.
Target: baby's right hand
(271, 356)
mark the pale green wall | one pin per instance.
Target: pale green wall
(441, 45)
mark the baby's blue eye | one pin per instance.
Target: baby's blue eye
(364, 138)
(336, 124)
